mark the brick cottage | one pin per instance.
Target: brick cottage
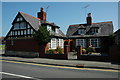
(19, 40)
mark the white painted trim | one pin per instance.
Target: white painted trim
(83, 42)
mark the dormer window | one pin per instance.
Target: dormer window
(81, 31)
(94, 30)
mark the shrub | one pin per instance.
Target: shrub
(90, 49)
(52, 51)
(59, 50)
(84, 51)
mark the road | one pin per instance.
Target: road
(13, 69)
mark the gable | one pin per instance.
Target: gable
(20, 28)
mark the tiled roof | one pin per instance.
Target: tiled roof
(36, 22)
(105, 28)
(33, 21)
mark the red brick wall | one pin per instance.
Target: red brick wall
(22, 45)
(30, 45)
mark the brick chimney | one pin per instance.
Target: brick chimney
(89, 19)
(42, 14)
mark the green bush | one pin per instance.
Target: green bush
(90, 49)
(50, 51)
(59, 50)
(84, 51)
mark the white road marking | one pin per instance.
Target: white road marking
(16, 75)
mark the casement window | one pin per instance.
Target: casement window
(25, 32)
(94, 30)
(28, 31)
(22, 25)
(81, 31)
(60, 43)
(28, 26)
(16, 26)
(21, 19)
(53, 43)
(31, 31)
(15, 32)
(81, 42)
(95, 42)
(57, 30)
(48, 28)
(22, 33)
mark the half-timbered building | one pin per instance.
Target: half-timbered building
(20, 39)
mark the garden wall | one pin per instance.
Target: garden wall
(53, 56)
(115, 53)
(94, 58)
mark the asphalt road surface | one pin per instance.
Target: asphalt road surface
(13, 69)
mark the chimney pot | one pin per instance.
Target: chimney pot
(89, 19)
(42, 14)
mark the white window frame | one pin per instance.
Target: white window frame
(60, 43)
(94, 30)
(49, 28)
(56, 30)
(53, 43)
(95, 41)
(22, 25)
(81, 42)
(81, 31)
(16, 26)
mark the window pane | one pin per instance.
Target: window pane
(28, 31)
(15, 32)
(21, 32)
(28, 26)
(21, 19)
(53, 43)
(31, 31)
(25, 32)
(81, 31)
(23, 25)
(95, 43)
(18, 32)
(81, 42)
(18, 19)
(16, 26)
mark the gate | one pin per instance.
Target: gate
(72, 55)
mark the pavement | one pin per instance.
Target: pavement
(70, 63)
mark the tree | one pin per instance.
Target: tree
(42, 36)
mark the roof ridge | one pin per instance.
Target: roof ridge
(103, 22)
(29, 15)
(92, 23)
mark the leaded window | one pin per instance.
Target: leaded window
(81, 42)
(95, 42)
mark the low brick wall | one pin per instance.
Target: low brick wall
(53, 56)
(21, 54)
(94, 58)
(115, 53)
